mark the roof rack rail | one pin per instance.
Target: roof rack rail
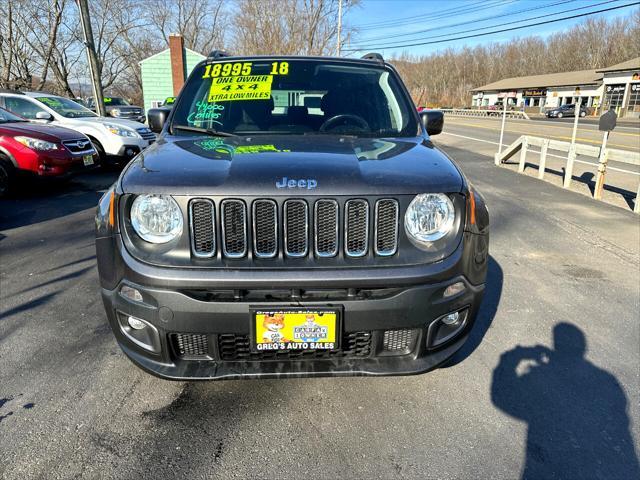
(373, 56)
(219, 54)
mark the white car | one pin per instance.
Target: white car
(110, 136)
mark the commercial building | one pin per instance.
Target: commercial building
(164, 73)
(622, 87)
(617, 86)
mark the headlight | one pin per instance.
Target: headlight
(36, 144)
(121, 131)
(156, 218)
(430, 217)
(115, 112)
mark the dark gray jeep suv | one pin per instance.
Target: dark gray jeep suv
(293, 219)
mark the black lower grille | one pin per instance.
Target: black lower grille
(190, 345)
(237, 348)
(399, 341)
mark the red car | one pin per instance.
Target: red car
(40, 150)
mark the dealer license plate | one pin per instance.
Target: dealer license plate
(88, 160)
(295, 329)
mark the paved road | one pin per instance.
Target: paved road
(482, 136)
(564, 269)
(624, 137)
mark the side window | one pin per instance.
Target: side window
(22, 107)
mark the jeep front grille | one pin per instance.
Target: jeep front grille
(295, 228)
(386, 227)
(265, 228)
(356, 228)
(326, 228)
(234, 228)
(203, 231)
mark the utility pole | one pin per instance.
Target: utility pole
(92, 56)
(339, 26)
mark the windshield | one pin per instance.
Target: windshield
(8, 117)
(296, 97)
(65, 107)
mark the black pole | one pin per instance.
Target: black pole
(98, 96)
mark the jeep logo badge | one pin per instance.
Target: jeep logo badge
(309, 183)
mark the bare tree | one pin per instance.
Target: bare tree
(294, 27)
(202, 23)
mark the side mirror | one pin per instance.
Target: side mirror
(44, 116)
(433, 121)
(157, 118)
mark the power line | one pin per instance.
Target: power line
(437, 16)
(384, 37)
(515, 21)
(496, 31)
(366, 26)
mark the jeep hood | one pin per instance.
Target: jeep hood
(291, 165)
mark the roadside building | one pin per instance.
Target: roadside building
(164, 73)
(622, 88)
(617, 87)
(535, 93)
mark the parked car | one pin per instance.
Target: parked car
(568, 110)
(250, 243)
(118, 107)
(43, 151)
(114, 139)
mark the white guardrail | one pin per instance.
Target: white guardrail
(523, 143)
(467, 112)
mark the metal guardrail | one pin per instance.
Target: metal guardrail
(467, 112)
(523, 143)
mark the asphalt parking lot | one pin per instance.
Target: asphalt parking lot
(546, 387)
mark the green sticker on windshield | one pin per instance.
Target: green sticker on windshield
(52, 102)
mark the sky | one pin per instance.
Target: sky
(383, 24)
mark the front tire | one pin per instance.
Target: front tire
(560, 115)
(6, 177)
(583, 114)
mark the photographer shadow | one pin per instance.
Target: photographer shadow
(576, 412)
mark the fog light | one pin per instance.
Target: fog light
(446, 327)
(136, 324)
(131, 293)
(453, 289)
(451, 319)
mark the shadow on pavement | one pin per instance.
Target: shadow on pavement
(576, 412)
(488, 309)
(36, 202)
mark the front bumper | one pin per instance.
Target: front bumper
(377, 303)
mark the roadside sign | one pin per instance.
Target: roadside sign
(607, 121)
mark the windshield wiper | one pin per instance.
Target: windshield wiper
(208, 131)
